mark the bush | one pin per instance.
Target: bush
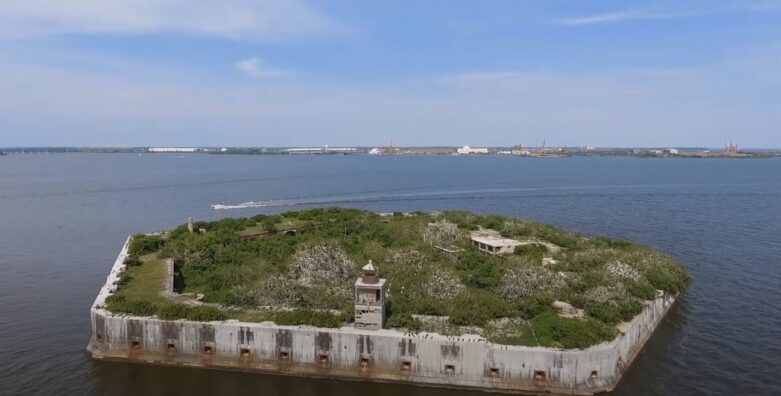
(132, 261)
(581, 334)
(270, 223)
(200, 313)
(476, 308)
(403, 321)
(554, 331)
(493, 222)
(672, 279)
(605, 242)
(172, 312)
(478, 270)
(532, 307)
(204, 313)
(142, 244)
(641, 290)
(120, 304)
(534, 250)
(309, 317)
(612, 313)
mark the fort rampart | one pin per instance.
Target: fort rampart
(375, 355)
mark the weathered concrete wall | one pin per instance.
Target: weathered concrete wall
(383, 355)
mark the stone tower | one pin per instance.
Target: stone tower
(370, 299)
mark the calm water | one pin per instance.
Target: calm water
(64, 217)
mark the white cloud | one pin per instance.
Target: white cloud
(536, 84)
(159, 106)
(681, 10)
(621, 16)
(255, 68)
(232, 19)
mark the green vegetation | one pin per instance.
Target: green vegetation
(250, 269)
(143, 280)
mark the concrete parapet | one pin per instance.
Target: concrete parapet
(381, 355)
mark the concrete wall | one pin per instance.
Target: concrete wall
(383, 355)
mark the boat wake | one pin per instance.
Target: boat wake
(392, 196)
(250, 204)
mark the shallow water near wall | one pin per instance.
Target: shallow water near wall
(63, 219)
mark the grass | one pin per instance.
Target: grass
(147, 280)
(524, 335)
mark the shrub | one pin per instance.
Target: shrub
(614, 312)
(534, 250)
(576, 333)
(142, 244)
(404, 321)
(120, 304)
(172, 312)
(132, 261)
(478, 270)
(641, 290)
(201, 313)
(531, 307)
(476, 308)
(493, 222)
(309, 317)
(204, 313)
(672, 279)
(606, 242)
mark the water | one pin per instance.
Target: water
(64, 217)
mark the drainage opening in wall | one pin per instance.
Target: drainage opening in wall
(594, 375)
(135, 345)
(207, 349)
(450, 369)
(244, 352)
(171, 347)
(493, 372)
(323, 358)
(540, 375)
(406, 365)
(365, 362)
(283, 355)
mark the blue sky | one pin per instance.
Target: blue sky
(296, 72)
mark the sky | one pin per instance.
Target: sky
(497, 73)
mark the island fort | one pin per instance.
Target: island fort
(442, 299)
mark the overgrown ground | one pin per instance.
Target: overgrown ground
(308, 278)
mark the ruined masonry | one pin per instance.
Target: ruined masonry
(370, 299)
(367, 351)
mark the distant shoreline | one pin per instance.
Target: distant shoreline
(552, 152)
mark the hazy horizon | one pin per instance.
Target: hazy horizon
(238, 73)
